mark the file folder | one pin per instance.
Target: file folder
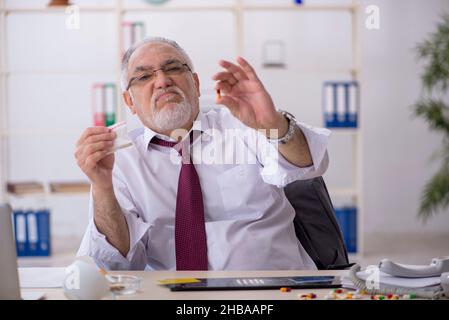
(32, 232)
(110, 103)
(340, 104)
(347, 219)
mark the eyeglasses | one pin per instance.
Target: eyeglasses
(170, 69)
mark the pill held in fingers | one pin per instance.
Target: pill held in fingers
(218, 95)
(122, 140)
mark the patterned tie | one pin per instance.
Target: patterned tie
(190, 231)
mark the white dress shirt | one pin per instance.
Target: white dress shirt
(249, 221)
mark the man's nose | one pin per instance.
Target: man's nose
(161, 80)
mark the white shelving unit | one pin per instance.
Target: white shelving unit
(3, 102)
(238, 9)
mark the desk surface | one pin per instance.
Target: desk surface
(150, 289)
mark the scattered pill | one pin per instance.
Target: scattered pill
(361, 292)
(332, 293)
(308, 296)
(285, 289)
(102, 271)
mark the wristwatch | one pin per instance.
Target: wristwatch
(292, 127)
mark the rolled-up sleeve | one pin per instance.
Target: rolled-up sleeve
(277, 170)
(106, 256)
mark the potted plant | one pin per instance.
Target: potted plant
(433, 107)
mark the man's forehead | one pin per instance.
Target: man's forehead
(153, 54)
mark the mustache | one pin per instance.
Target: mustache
(161, 92)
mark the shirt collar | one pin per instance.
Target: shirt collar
(201, 123)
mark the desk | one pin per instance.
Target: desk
(151, 290)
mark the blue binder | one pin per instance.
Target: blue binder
(32, 232)
(340, 104)
(347, 219)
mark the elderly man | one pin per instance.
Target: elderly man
(156, 206)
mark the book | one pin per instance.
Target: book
(75, 186)
(25, 187)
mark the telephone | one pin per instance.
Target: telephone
(439, 267)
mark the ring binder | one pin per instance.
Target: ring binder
(32, 232)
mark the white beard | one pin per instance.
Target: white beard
(173, 117)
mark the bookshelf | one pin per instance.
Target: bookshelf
(120, 9)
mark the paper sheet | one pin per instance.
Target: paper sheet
(41, 277)
(32, 295)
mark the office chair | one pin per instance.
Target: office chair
(315, 223)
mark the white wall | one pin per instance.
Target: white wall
(397, 148)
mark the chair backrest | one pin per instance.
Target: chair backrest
(316, 225)
(9, 277)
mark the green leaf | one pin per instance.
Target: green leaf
(436, 113)
(435, 196)
(435, 53)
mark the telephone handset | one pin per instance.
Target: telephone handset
(437, 267)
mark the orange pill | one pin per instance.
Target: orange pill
(102, 271)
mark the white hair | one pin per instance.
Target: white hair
(171, 118)
(134, 47)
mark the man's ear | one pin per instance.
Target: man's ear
(129, 101)
(197, 83)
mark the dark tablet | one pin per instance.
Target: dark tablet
(260, 283)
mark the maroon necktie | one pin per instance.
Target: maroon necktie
(190, 230)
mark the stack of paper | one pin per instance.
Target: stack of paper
(41, 277)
